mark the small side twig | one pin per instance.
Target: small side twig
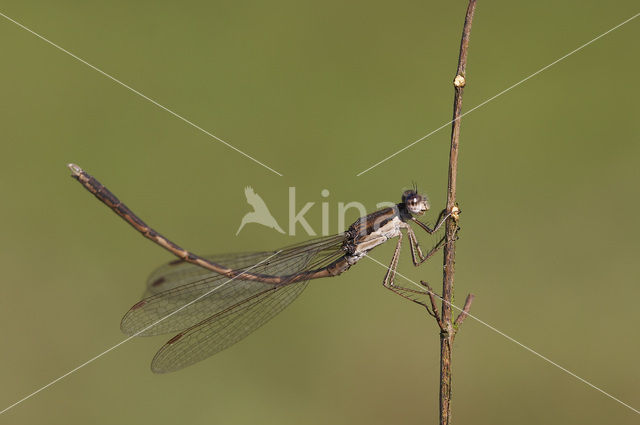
(434, 305)
(464, 313)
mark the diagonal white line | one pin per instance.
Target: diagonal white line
(91, 360)
(192, 124)
(531, 350)
(501, 93)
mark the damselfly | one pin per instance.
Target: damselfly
(215, 301)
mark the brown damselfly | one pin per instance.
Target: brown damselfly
(214, 301)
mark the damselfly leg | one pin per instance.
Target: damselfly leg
(416, 253)
(417, 257)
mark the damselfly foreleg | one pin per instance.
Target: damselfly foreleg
(444, 215)
(416, 253)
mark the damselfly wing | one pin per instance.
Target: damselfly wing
(210, 311)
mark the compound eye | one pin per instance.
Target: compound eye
(413, 204)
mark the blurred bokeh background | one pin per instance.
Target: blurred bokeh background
(320, 91)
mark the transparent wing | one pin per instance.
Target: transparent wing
(178, 272)
(183, 295)
(223, 329)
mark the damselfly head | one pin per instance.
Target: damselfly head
(416, 204)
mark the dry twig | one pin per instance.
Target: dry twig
(448, 328)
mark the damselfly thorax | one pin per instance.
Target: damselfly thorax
(214, 301)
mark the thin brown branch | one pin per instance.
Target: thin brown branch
(464, 313)
(434, 305)
(448, 331)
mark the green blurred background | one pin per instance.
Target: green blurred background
(320, 91)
